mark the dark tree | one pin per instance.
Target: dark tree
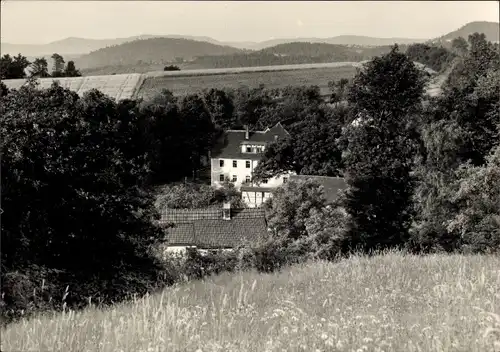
(221, 108)
(171, 68)
(13, 67)
(39, 68)
(58, 66)
(385, 97)
(71, 71)
(73, 191)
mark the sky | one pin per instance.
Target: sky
(38, 22)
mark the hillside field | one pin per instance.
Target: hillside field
(392, 302)
(187, 83)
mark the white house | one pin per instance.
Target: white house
(236, 158)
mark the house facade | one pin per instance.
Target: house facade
(236, 157)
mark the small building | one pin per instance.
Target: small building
(213, 228)
(237, 155)
(331, 185)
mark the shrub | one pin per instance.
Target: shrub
(171, 68)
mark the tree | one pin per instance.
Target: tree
(73, 190)
(470, 97)
(171, 68)
(326, 229)
(312, 149)
(71, 71)
(58, 67)
(13, 67)
(477, 221)
(436, 186)
(459, 46)
(221, 108)
(338, 90)
(39, 68)
(290, 207)
(199, 130)
(461, 127)
(437, 58)
(3, 89)
(192, 196)
(385, 98)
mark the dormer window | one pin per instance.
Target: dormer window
(249, 149)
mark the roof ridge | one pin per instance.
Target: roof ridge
(245, 131)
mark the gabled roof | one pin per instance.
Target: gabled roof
(206, 228)
(331, 185)
(229, 146)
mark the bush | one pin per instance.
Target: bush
(171, 68)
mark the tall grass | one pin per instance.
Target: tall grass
(393, 302)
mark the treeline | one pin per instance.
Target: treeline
(16, 67)
(290, 54)
(435, 57)
(78, 175)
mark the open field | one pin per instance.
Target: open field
(385, 303)
(185, 82)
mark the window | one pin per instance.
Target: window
(249, 149)
(285, 179)
(221, 163)
(247, 164)
(235, 163)
(221, 178)
(259, 149)
(264, 181)
(263, 194)
(248, 179)
(235, 178)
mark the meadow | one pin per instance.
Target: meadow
(188, 82)
(390, 302)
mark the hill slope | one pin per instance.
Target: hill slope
(490, 29)
(383, 303)
(153, 50)
(80, 46)
(351, 40)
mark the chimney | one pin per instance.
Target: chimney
(226, 211)
(247, 133)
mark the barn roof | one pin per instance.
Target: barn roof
(206, 228)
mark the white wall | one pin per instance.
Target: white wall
(241, 172)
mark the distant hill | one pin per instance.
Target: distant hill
(155, 51)
(350, 40)
(490, 29)
(79, 46)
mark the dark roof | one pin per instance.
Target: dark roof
(331, 185)
(205, 228)
(229, 146)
